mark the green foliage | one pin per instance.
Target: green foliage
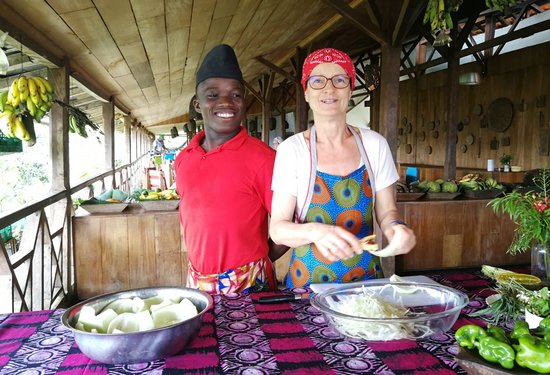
(500, 5)
(31, 172)
(529, 211)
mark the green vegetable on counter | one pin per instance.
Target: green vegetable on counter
(497, 333)
(533, 354)
(521, 328)
(528, 349)
(494, 350)
(468, 336)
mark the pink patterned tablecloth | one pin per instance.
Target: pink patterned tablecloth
(240, 336)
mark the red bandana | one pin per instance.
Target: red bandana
(327, 55)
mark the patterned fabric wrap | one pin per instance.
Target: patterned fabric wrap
(327, 55)
(345, 202)
(251, 277)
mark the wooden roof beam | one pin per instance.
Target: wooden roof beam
(518, 34)
(367, 26)
(410, 13)
(277, 69)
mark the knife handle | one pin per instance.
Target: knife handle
(281, 298)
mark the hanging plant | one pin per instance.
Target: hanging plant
(438, 14)
(500, 5)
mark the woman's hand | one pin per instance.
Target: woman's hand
(402, 241)
(335, 243)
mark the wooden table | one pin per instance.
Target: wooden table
(131, 249)
(241, 336)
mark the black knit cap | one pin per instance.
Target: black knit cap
(220, 62)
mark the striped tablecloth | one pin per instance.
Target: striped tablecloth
(240, 336)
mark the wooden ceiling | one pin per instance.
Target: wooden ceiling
(143, 54)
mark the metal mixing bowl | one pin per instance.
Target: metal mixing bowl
(431, 308)
(143, 346)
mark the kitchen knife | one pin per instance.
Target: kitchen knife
(284, 298)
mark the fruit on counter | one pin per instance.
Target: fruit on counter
(502, 275)
(157, 194)
(521, 278)
(411, 188)
(473, 181)
(112, 200)
(438, 186)
(529, 349)
(512, 299)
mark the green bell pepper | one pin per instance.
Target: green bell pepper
(497, 351)
(533, 354)
(498, 333)
(521, 328)
(468, 335)
(544, 324)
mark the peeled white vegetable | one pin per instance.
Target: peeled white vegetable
(136, 315)
(91, 321)
(173, 314)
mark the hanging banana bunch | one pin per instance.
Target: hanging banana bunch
(78, 121)
(26, 100)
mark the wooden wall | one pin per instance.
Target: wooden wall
(521, 76)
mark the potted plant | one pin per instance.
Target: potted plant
(530, 211)
(505, 160)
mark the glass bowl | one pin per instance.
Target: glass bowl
(417, 310)
(144, 346)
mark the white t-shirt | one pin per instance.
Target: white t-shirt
(291, 173)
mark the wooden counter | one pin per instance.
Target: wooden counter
(457, 233)
(138, 249)
(131, 249)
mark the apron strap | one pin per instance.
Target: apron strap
(365, 158)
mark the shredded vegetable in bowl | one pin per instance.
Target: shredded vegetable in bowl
(383, 312)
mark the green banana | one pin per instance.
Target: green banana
(72, 124)
(3, 100)
(30, 106)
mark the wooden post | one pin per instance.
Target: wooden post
(389, 95)
(266, 90)
(109, 129)
(128, 137)
(449, 169)
(59, 129)
(61, 177)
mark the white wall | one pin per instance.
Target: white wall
(359, 116)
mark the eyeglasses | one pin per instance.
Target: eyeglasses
(339, 81)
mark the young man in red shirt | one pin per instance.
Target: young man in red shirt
(224, 180)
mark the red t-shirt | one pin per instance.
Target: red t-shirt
(225, 201)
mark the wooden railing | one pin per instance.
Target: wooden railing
(37, 269)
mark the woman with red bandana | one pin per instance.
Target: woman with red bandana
(330, 180)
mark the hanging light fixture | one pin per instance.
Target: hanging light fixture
(469, 79)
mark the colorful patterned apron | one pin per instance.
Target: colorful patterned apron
(346, 202)
(253, 277)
